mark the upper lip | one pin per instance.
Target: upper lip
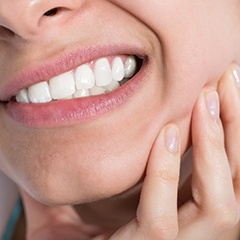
(62, 63)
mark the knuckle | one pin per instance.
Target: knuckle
(168, 178)
(168, 175)
(226, 217)
(164, 229)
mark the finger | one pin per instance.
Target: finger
(229, 93)
(211, 171)
(157, 211)
(214, 208)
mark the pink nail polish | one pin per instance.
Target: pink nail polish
(213, 106)
(172, 139)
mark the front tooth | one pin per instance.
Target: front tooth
(81, 93)
(84, 77)
(22, 96)
(117, 69)
(62, 86)
(39, 93)
(130, 67)
(102, 72)
(97, 91)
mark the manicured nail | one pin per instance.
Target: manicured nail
(213, 106)
(236, 74)
(172, 139)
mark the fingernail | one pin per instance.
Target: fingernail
(236, 74)
(172, 139)
(212, 101)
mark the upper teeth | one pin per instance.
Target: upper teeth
(81, 82)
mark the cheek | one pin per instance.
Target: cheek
(200, 37)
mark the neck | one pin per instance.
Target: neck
(112, 212)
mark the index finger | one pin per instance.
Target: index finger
(157, 211)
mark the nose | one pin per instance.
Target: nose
(26, 17)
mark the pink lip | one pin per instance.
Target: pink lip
(67, 112)
(61, 64)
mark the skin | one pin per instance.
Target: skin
(189, 45)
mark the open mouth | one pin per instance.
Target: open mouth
(80, 94)
(95, 78)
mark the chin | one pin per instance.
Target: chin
(85, 178)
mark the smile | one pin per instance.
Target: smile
(97, 77)
(85, 88)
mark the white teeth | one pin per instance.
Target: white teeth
(112, 86)
(130, 67)
(67, 98)
(82, 81)
(39, 93)
(84, 77)
(117, 69)
(81, 93)
(102, 72)
(62, 86)
(97, 91)
(22, 96)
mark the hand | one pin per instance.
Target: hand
(214, 207)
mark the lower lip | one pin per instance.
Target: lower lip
(66, 112)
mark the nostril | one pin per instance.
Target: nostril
(51, 12)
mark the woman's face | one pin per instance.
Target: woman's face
(88, 148)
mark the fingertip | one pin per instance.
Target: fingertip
(167, 142)
(212, 104)
(229, 93)
(164, 158)
(172, 139)
(230, 77)
(235, 70)
(205, 116)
